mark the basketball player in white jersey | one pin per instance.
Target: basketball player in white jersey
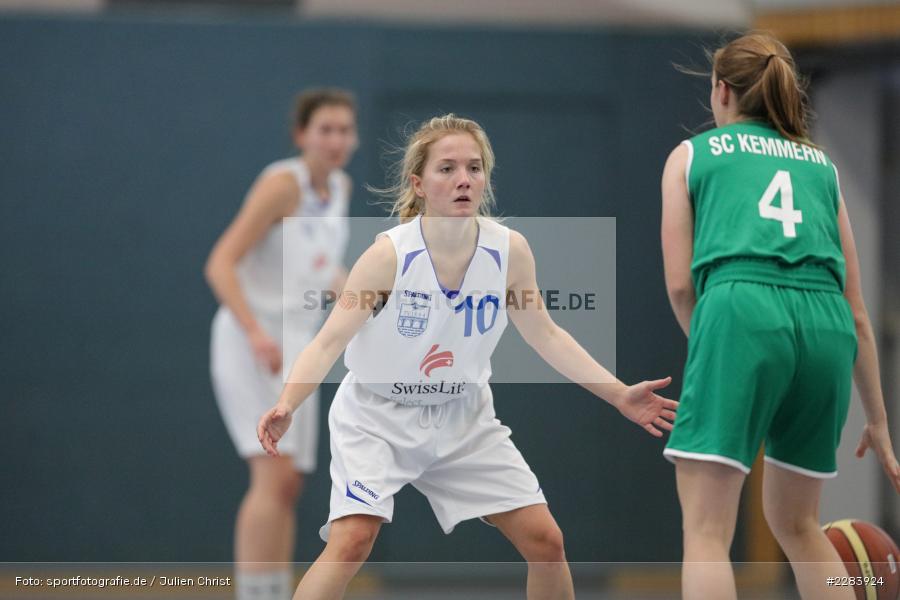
(249, 278)
(416, 407)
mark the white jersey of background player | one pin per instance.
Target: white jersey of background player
(255, 289)
(456, 452)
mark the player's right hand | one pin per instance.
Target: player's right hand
(272, 427)
(642, 405)
(878, 439)
(266, 350)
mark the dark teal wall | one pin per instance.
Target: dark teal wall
(126, 148)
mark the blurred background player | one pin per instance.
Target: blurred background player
(447, 269)
(260, 293)
(762, 274)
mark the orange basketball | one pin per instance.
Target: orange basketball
(871, 557)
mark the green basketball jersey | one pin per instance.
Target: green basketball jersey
(759, 196)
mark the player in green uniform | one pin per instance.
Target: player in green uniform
(762, 274)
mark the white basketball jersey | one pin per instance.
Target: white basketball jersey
(430, 345)
(290, 268)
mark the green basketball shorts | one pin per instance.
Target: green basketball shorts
(766, 363)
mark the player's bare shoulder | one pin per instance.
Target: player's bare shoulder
(518, 245)
(677, 162)
(377, 266)
(381, 253)
(346, 183)
(521, 260)
(278, 190)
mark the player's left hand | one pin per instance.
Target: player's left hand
(877, 437)
(272, 427)
(640, 404)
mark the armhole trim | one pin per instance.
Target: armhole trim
(837, 189)
(379, 308)
(687, 166)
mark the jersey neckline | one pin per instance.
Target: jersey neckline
(450, 294)
(319, 205)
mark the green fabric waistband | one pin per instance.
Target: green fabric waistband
(803, 276)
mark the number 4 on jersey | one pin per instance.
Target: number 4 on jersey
(785, 214)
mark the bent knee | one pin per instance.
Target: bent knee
(545, 545)
(351, 540)
(708, 530)
(786, 526)
(290, 488)
(282, 485)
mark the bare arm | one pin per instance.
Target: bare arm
(270, 199)
(866, 371)
(373, 272)
(338, 281)
(552, 343)
(556, 346)
(677, 234)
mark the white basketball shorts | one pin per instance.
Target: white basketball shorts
(457, 454)
(245, 389)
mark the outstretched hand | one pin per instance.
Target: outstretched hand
(651, 411)
(272, 427)
(878, 439)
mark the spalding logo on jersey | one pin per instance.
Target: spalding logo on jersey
(414, 310)
(435, 360)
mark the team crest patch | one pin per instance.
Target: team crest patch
(414, 310)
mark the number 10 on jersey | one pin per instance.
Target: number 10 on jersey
(468, 306)
(785, 214)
